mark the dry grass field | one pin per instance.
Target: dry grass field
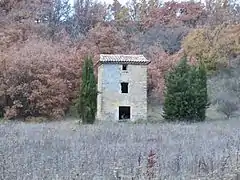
(64, 150)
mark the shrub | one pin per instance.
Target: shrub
(185, 96)
(227, 102)
(40, 79)
(227, 107)
(87, 100)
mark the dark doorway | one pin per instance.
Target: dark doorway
(124, 87)
(124, 67)
(124, 112)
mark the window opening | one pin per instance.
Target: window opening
(124, 87)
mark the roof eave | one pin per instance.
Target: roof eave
(122, 62)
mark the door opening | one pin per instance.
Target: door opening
(124, 112)
(124, 67)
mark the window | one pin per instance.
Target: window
(124, 67)
(124, 87)
(124, 112)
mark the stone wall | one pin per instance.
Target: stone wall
(110, 98)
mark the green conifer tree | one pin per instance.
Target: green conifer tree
(175, 90)
(87, 100)
(201, 95)
(185, 96)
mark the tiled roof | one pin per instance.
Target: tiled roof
(122, 58)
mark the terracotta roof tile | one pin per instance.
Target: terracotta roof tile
(122, 58)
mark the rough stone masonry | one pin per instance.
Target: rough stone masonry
(122, 87)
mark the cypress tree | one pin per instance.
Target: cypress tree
(87, 100)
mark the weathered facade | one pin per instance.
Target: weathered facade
(122, 86)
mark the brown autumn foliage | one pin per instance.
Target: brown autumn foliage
(18, 20)
(160, 65)
(161, 62)
(102, 39)
(185, 13)
(107, 39)
(40, 77)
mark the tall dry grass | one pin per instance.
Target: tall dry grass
(63, 150)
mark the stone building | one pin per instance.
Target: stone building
(122, 87)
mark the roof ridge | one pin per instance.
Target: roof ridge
(121, 54)
(126, 58)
